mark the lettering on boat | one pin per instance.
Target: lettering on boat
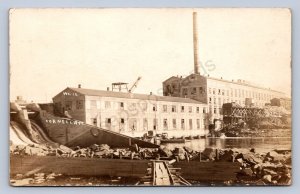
(63, 121)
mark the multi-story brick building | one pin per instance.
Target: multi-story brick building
(215, 92)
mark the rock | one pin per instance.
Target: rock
(19, 176)
(210, 153)
(34, 151)
(260, 182)
(226, 155)
(288, 161)
(104, 147)
(267, 178)
(275, 156)
(188, 150)
(240, 160)
(270, 172)
(252, 158)
(65, 149)
(180, 152)
(165, 152)
(22, 182)
(247, 172)
(50, 176)
(285, 179)
(94, 147)
(252, 150)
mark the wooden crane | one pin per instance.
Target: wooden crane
(134, 84)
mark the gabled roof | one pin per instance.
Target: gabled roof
(103, 93)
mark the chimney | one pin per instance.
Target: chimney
(195, 42)
(79, 85)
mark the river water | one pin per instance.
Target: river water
(266, 143)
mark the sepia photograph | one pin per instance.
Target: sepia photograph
(150, 97)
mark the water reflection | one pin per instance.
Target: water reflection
(264, 143)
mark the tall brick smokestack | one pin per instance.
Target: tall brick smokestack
(195, 41)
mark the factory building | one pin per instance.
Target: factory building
(215, 92)
(134, 114)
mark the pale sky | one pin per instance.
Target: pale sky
(51, 49)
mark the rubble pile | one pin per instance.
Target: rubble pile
(271, 168)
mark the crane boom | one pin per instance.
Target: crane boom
(134, 84)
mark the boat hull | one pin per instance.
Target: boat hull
(73, 133)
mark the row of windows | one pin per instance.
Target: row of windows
(132, 125)
(193, 91)
(241, 93)
(221, 101)
(134, 106)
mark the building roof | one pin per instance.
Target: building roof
(242, 82)
(104, 93)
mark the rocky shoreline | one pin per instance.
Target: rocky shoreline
(257, 167)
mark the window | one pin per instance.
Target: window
(219, 92)
(223, 92)
(121, 104)
(122, 124)
(214, 91)
(165, 108)
(144, 106)
(190, 109)
(197, 109)
(68, 105)
(79, 104)
(215, 111)
(210, 100)
(93, 104)
(204, 110)
(201, 90)
(215, 101)
(154, 108)
(182, 108)
(94, 121)
(184, 91)
(182, 124)
(194, 91)
(174, 124)
(174, 108)
(145, 124)
(220, 110)
(165, 124)
(107, 104)
(132, 106)
(209, 90)
(154, 124)
(108, 122)
(198, 123)
(191, 123)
